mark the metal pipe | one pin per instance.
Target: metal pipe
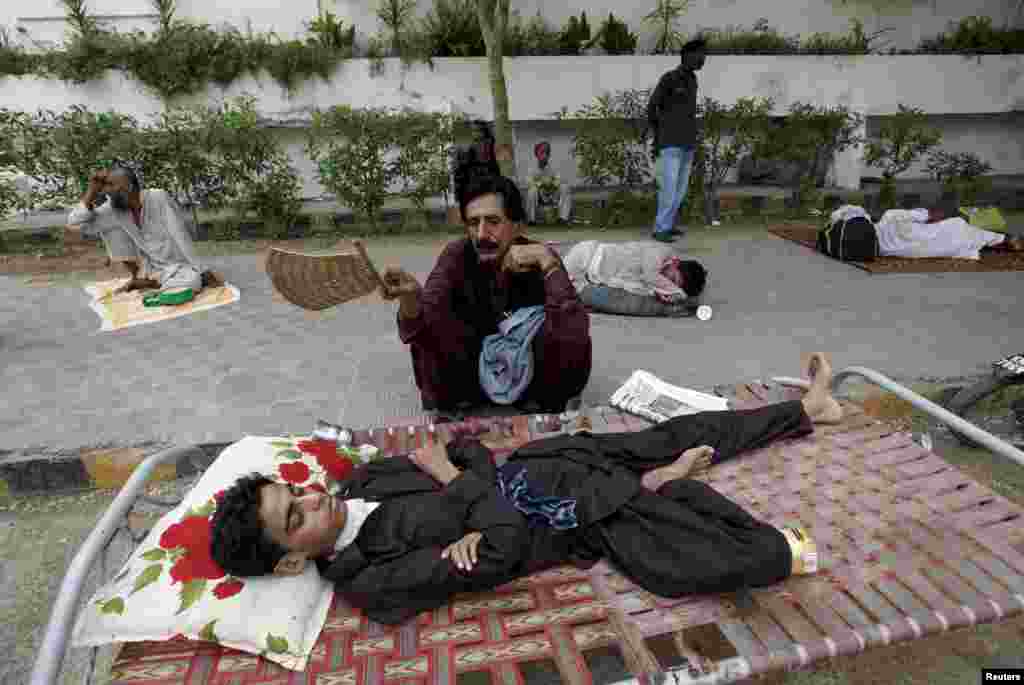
(51, 653)
(982, 437)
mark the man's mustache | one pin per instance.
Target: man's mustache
(486, 245)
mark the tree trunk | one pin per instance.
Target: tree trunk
(493, 15)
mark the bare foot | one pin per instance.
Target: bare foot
(819, 404)
(680, 468)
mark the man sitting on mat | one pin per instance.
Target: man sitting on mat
(145, 230)
(493, 277)
(407, 533)
(634, 279)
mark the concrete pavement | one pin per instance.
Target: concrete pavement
(264, 366)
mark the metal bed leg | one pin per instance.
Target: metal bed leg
(52, 650)
(978, 435)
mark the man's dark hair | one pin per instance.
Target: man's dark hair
(129, 173)
(478, 185)
(695, 45)
(695, 277)
(238, 542)
(948, 203)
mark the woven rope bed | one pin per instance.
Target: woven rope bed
(910, 546)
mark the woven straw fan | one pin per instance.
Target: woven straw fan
(320, 281)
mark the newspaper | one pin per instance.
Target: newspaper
(646, 395)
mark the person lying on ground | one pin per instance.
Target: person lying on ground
(143, 229)
(405, 534)
(935, 232)
(635, 278)
(478, 283)
(546, 188)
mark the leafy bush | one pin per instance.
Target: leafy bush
(975, 35)
(611, 139)
(615, 38)
(575, 35)
(962, 173)
(903, 139)
(745, 125)
(856, 42)
(536, 37)
(452, 29)
(808, 136)
(664, 18)
(361, 154)
(761, 40)
(215, 157)
(330, 33)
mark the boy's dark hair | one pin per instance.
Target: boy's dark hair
(120, 169)
(695, 277)
(479, 184)
(238, 542)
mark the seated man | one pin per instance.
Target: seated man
(546, 188)
(634, 279)
(145, 230)
(407, 533)
(478, 283)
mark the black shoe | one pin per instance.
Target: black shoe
(677, 233)
(663, 237)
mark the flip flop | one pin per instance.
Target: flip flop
(168, 299)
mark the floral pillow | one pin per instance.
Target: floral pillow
(172, 588)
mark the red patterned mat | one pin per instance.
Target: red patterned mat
(990, 261)
(909, 545)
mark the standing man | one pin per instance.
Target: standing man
(672, 114)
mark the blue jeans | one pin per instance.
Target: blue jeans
(673, 176)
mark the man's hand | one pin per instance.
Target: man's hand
(96, 183)
(433, 460)
(401, 285)
(521, 258)
(398, 283)
(463, 552)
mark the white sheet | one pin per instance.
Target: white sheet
(906, 233)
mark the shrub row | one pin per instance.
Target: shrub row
(182, 57)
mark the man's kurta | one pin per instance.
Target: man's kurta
(463, 302)
(160, 241)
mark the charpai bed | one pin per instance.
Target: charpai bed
(909, 546)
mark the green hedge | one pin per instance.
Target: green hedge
(183, 57)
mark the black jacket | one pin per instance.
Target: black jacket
(672, 109)
(394, 569)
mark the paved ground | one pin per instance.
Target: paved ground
(262, 366)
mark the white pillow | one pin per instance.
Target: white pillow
(171, 587)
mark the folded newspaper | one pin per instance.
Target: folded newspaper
(646, 395)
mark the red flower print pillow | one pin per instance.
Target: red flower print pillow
(171, 586)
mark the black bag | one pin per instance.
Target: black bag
(854, 240)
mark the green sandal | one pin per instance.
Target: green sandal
(169, 299)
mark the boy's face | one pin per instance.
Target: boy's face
(307, 523)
